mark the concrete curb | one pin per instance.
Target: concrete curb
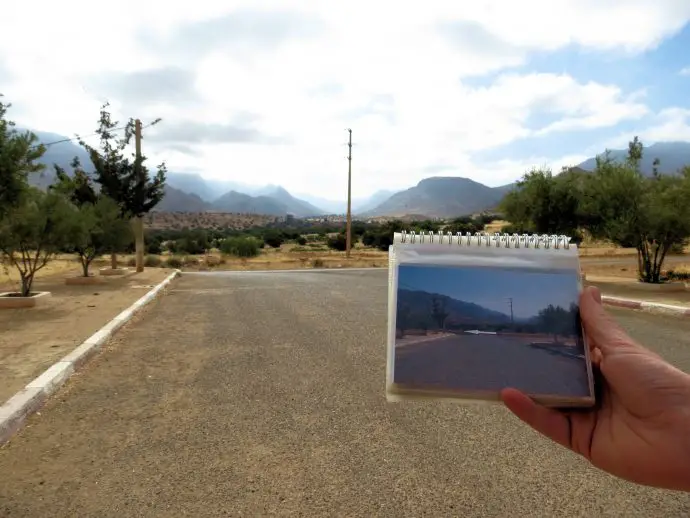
(650, 307)
(18, 408)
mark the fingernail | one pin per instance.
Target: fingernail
(596, 294)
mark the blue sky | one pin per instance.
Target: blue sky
(657, 75)
(262, 91)
(491, 287)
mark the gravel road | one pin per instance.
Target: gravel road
(255, 394)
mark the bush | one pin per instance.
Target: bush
(152, 261)
(274, 240)
(301, 240)
(131, 262)
(174, 262)
(240, 246)
(338, 242)
(154, 247)
(317, 263)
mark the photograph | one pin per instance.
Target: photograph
(476, 330)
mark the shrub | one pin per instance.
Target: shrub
(154, 247)
(274, 240)
(152, 261)
(301, 240)
(240, 246)
(338, 242)
(131, 262)
(317, 263)
(174, 262)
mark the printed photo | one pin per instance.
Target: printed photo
(473, 330)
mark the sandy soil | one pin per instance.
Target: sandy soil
(31, 340)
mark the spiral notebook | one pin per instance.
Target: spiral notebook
(471, 314)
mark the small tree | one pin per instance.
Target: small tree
(33, 232)
(127, 182)
(651, 215)
(100, 228)
(438, 311)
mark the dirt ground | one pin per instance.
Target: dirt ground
(31, 340)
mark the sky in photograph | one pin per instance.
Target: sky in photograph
(491, 287)
(263, 91)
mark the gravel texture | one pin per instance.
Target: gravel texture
(255, 394)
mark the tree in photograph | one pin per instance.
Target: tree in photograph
(18, 155)
(556, 321)
(402, 319)
(100, 227)
(651, 215)
(125, 181)
(34, 230)
(438, 311)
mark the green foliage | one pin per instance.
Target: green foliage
(125, 181)
(337, 242)
(274, 239)
(559, 321)
(34, 230)
(174, 262)
(152, 261)
(18, 155)
(192, 242)
(99, 227)
(240, 246)
(545, 203)
(439, 312)
(301, 240)
(154, 246)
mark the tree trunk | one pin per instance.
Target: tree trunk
(138, 226)
(27, 281)
(85, 266)
(113, 261)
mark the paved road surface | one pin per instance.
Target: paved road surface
(488, 363)
(256, 394)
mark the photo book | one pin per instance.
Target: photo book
(472, 314)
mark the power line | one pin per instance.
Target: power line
(48, 144)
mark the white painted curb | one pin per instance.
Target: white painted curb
(14, 412)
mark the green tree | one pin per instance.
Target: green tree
(545, 203)
(126, 181)
(240, 246)
(100, 227)
(651, 215)
(18, 155)
(34, 230)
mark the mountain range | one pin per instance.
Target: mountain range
(448, 196)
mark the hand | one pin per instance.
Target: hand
(640, 427)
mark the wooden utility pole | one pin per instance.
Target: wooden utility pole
(138, 222)
(349, 196)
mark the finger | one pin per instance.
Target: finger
(546, 421)
(602, 330)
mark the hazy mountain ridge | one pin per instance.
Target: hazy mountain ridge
(419, 302)
(442, 196)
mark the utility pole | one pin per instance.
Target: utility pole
(349, 196)
(138, 222)
(510, 301)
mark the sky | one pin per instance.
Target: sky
(263, 91)
(491, 287)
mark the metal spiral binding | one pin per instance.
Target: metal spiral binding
(498, 239)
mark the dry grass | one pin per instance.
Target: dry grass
(63, 264)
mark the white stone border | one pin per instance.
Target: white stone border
(15, 411)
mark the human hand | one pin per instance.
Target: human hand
(640, 427)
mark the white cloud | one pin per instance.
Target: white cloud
(684, 71)
(300, 72)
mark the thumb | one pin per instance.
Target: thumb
(600, 328)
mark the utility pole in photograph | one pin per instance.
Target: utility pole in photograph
(138, 221)
(349, 197)
(510, 301)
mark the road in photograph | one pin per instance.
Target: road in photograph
(489, 362)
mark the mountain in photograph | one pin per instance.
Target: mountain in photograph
(441, 197)
(672, 156)
(234, 201)
(419, 304)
